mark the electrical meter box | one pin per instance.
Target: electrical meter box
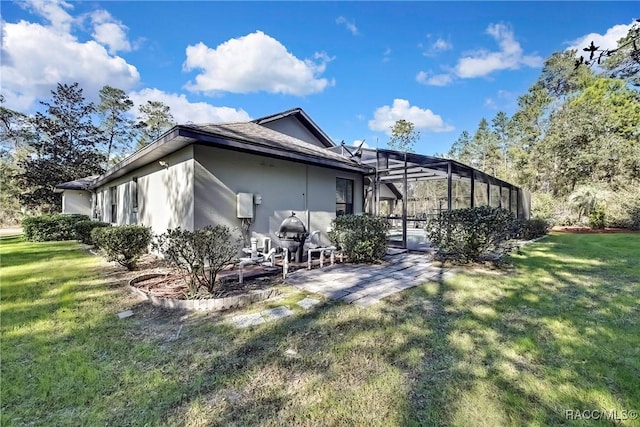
(245, 205)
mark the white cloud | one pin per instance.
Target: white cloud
(503, 99)
(440, 45)
(608, 40)
(423, 119)
(184, 111)
(430, 79)
(360, 143)
(35, 58)
(350, 25)
(386, 56)
(110, 32)
(509, 57)
(252, 63)
(53, 11)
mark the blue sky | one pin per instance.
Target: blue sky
(354, 67)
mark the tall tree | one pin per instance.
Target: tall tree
(155, 119)
(117, 128)
(65, 148)
(403, 136)
(501, 126)
(15, 136)
(485, 149)
(461, 149)
(624, 62)
(561, 78)
(529, 125)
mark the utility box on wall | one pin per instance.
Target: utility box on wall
(245, 205)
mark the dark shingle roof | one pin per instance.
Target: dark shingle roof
(260, 136)
(304, 119)
(78, 184)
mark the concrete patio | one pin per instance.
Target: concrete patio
(365, 284)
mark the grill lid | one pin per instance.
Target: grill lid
(292, 228)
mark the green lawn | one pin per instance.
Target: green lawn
(560, 331)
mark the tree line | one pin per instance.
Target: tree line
(69, 138)
(574, 138)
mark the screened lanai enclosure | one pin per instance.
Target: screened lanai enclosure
(409, 188)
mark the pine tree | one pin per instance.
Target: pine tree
(117, 128)
(65, 148)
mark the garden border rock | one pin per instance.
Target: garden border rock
(211, 304)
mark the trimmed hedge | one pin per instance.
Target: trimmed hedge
(363, 238)
(124, 244)
(467, 235)
(84, 228)
(47, 228)
(528, 229)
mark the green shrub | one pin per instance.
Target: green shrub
(201, 254)
(363, 238)
(83, 230)
(596, 218)
(527, 229)
(623, 209)
(465, 235)
(124, 244)
(46, 228)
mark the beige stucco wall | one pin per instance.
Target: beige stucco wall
(165, 194)
(285, 186)
(76, 202)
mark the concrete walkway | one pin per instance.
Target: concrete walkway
(364, 284)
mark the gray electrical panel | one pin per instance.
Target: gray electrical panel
(245, 205)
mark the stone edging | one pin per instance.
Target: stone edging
(212, 304)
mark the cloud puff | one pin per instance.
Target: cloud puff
(440, 45)
(360, 143)
(35, 58)
(430, 79)
(423, 119)
(110, 32)
(54, 11)
(608, 40)
(504, 99)
(184, 111)
(484, 62)
(509, 57)
(252, 63)
(350, 25)
(386, 56)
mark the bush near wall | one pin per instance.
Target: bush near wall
(527, 229)
(124, 244)
(83, 230)
(466, 235)
(45, 228)
(200, 254)
(363, 238)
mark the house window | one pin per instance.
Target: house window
(134, 194)
(113, 195)
(344, 196)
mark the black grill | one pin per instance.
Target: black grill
(292, 234)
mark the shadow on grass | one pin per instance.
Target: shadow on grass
(472, 350)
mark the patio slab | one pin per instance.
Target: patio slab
(365, 285)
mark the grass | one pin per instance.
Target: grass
(560, 331)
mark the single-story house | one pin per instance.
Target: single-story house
(252, 174)
(247, 175)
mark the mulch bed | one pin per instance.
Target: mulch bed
(173, 285)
